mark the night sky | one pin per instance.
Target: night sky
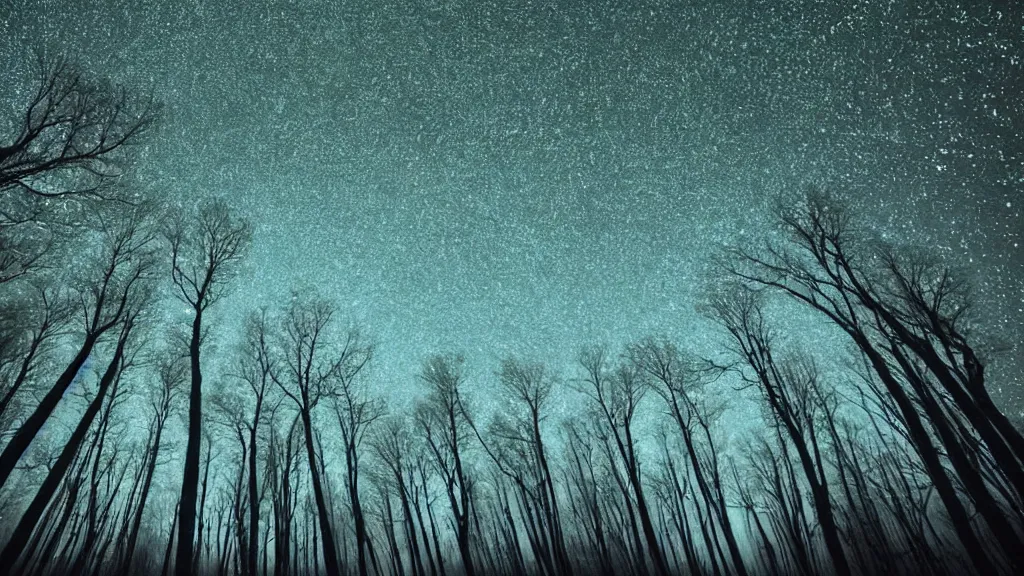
(512, 176)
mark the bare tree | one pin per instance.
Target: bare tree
(204, 254)
(71, 144)
(240, 409)
(442, 419)
(123, 268)
(791, 391)
(617, 395)
(106, 477)
(255, 369)
(172, 372)
(903, 312)
(519, 452)
(680, 382)
(27, 335)
(582, 479)
(307, 377)
(281, 464)
(20, 537)
(393, 445)
(355, 413)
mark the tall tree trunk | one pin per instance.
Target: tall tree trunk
(133, 535)
(412, 540)
(254, 498)
(921, 440)
(21, 440)
(170, 543)
(352, 467)
(200, 517)
(190, 478)
(330, 551)
(20, 536)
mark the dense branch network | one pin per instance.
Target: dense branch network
(135, 442)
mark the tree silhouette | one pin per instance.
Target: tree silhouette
(172, 372)
(779, 456)
(20, 537)
(306, 378)
(442, 419)
(204, 254)
(616, 394)
(355, 414)
(71, 143)
(256, 370)
(113, 293)
(791, 389)
(35, 322)
(902, 313)
(519, 453)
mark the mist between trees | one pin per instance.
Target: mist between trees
(120, 457)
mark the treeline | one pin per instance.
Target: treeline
(124, 453)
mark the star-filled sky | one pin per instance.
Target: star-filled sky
(494, 176)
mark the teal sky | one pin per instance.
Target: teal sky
(492, 176)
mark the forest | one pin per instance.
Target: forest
(124, 452)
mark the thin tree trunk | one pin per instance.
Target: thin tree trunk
(21, 440)
(20, 536)
(185, 554)
(330, 551)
